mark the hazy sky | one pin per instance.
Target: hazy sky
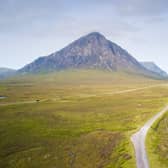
(33, 28)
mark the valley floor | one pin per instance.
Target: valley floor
(75, 119)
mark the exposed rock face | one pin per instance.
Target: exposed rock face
(154, 68)
(90, 51)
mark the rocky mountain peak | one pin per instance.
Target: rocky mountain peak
(95, 36)
(88, 42)
(90, 51)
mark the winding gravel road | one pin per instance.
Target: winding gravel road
(138, 140)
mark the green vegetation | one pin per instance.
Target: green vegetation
(157, 143)
(82, 119)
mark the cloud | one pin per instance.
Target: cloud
(22, 15)
(142, 7)
(38, 27)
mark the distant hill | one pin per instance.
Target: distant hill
(6, 72)
(154, 68)
(90, 51)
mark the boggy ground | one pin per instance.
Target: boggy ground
(81, 118)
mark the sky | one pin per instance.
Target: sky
(33, 28)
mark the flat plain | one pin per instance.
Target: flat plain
(76, 119)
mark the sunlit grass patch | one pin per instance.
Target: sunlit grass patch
(78, 121)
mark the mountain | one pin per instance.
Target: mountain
(6, 72)
(154, 68)
(90, 51)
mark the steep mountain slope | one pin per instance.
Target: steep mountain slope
(154, 68)
(90, 51)
(6, 72)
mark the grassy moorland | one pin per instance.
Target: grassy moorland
(83, 118)
(157, 143)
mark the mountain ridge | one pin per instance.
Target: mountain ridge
(90, 51)
(153, 67)
(6, 72)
